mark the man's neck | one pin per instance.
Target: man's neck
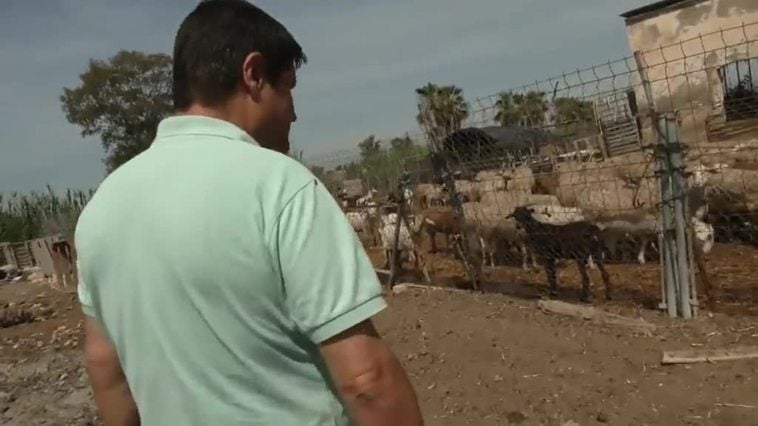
(225, 114)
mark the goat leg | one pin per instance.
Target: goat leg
(643, 246)
(606, 279)
(432, 240)
(552, 285)
(581, 264)
(596, 249)
(591, 263)
(703, 273)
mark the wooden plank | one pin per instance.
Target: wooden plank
(709, 355)
(598, 316)
(403, 287)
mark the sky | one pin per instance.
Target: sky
(366, 58)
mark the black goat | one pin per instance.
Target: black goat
(577, 240)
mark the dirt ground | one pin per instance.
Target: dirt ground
(474, 359)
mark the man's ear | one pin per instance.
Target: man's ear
(253, 76)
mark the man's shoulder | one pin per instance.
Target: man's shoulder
(272, 170)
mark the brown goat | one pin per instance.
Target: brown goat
(441, 220)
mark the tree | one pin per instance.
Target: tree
(369, 147)
(521, 109)
(574, 117)
(122, 100)
(507, 110)
(442, 110)
(532, 107)
(573, 110)
(404, 144)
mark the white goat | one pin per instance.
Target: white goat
(557, 215)
(366, 199)
(408, 197)
(405, 242)
(359, 220)
(644, 231)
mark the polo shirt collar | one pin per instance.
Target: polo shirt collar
(183, 125)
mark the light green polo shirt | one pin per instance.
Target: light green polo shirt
(215, 267)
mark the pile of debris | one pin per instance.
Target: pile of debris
(10, 273)
(14, 314)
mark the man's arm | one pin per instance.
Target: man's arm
(370, 379)
(331, 292)
(111, 391)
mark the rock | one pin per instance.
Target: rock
(399, 289)
(11, 316)
(602, 417)
(516, 417)
(36, 277)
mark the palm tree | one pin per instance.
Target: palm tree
(507, 110)
(574, 116)
(533, 107)
(441, 111)
(521, 109)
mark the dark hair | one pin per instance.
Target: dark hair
(212, 43)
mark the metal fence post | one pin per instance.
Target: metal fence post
(395, 257)
(674, 212)
(448, 180)
(402, 220)
(675, 242)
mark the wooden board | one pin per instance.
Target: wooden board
(709, 355)
(590, 313)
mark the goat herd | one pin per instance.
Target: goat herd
(525, 234)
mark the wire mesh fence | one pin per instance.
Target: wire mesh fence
(643, 168)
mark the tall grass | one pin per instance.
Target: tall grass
(36, 214)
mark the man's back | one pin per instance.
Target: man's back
(200, 259)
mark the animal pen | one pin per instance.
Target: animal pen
(656, 153)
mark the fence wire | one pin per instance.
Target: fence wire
(572, 170)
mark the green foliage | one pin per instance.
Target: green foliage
(382, 166)
(369, 147)
(441, 111)
(521, 109)
(404, 144)
(122, 100)
(572, 117)
(34, 215)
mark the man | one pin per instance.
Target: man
(222, 284)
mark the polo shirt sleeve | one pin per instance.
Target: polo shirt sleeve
(329, 282)
(85, 297)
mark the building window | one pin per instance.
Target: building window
(739, 80)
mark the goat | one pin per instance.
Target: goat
(441, 220)
(366, 199)
(405, 239)
(428, 195)
(556, 214)
(577, 240)
(643, 230)
(501, 237)
(408, 198)
(364, 222)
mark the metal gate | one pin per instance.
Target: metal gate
(617, 119)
